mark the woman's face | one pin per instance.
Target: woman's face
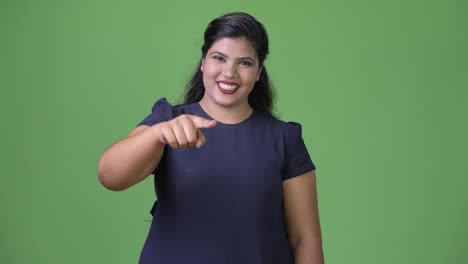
(230, 70)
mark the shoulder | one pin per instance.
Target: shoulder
(165, 108)
(288, 142)
(286, 127)
(162, 110)
(286, 134)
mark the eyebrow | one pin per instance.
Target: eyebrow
(224, 55)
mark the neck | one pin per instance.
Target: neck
(227, 115)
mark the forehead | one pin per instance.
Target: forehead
(233, 47)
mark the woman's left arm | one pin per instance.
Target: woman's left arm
(302, 218)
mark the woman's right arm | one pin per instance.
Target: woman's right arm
(132, 159)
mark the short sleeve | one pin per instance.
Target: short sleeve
(161, 111)
(297, 159)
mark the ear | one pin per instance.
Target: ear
(259, 72)
(202, 63)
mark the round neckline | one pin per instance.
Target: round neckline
(206, 115)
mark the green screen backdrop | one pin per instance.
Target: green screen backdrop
(380, 88)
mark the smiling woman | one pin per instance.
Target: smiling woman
(234, 183)
(230, 68)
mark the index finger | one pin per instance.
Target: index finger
(201, 122)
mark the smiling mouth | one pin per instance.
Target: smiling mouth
(229, 87)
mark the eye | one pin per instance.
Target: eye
(218, 58)
(246, 63)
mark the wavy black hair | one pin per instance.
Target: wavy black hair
(234, 25)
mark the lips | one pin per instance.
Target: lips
(227, 87)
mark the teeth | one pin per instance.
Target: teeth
(228, 86)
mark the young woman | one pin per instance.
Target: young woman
(234, 183)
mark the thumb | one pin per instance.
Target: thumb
(201, 122)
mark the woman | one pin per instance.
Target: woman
(234, 184)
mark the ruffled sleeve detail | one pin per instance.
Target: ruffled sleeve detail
(162, 111)
(297, 159)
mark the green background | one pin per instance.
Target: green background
(380, 88)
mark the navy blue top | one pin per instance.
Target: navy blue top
(222, 203)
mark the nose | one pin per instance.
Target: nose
(230, 70)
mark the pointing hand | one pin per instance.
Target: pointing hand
(184, 131)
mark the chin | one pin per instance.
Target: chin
(226, 103)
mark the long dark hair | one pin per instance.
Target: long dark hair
(234, 25)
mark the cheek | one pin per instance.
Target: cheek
(249, 77)
(209, 71)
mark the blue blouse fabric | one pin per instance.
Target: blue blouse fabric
(222, 203)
